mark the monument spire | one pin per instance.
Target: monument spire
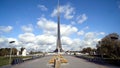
(58, 47)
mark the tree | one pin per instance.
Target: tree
(14, 51)
(87, 50)
(3, 52)
(22, 50)
(6, 51)
(109, 46)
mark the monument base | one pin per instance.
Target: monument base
(60, 57)
(61, 50)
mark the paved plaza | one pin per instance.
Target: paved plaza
(81, 63)
(73, 63)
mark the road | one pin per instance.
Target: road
(73, 63)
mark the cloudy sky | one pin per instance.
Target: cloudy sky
(33, 23)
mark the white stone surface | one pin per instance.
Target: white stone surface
(24, 52)
(17, 53)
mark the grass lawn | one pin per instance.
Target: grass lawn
(5, 60)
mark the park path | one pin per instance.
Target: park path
(73, 63)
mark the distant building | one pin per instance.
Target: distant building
(18, 53)
(24, 52)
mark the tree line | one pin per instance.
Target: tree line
(6, 51)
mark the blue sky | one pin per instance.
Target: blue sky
(81, 21)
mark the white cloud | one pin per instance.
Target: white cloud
(43, 7)
(73, 23)
(87, 27)
(46, 24)
(31, 46)
(81, 18)
(3, 42)
(15, 44)
(81, 32)
(48, 42)
(71, 44)
(50, 27)
(48, 38)
(40, 42)
(67, 30)
(76, 44)
(91, 39)
(5, 28)
(102, 33)
(45, 39)
(66, 40)
(27, 28)
(27, 37)
(67, 10)
(90, 36)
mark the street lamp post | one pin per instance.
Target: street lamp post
(10, 51)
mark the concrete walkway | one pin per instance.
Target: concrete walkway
(37, 63)
(73, 63)
(81, 63)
